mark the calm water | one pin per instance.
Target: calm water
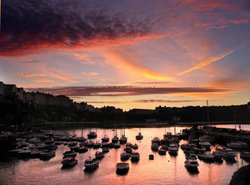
(162, 170)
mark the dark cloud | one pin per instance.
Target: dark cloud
(28, 25)
(123, 90)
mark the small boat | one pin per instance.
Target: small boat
(128, 150)
(91, 164)
(122, 168)
(162, 151)
(173, 149)
(135, 146)
(135, 157)
(156, 140)
(96, 145)
(47, 155)
(205, 145)
(90, 144)
(207, 157)
(105, 145)
(105, 139)
(69, 162)
(154, 147)
(191, 156)
(115, 139)
(191, 165)
(83, 149)
(92, 135)
(139, 136)
(69, 154)
(123, 139)
(238, 145)
(151, 157)
(99, 155)
(124, 156)
(117, 145)
(245, 156)
(105, 150)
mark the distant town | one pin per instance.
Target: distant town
(19, 107)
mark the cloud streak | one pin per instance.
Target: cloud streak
(114, 91)
(141, 101)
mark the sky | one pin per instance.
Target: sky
(129, 54)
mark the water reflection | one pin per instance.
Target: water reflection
(162, 170)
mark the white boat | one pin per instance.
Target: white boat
(191, 164)
(162, 151)
(124, 156)
(46, 154)
(97, 144)
(69, 162)
(91, 164)
(135, 146)
(151, 157)
(122, 168)
(205, 144)
(135, 157)
(82, 149)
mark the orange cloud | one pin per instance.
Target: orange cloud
(127, 63)
(208, 61)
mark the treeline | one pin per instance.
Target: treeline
(16, 112)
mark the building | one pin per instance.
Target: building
(2, 89)
(10, 89)
(20, 93)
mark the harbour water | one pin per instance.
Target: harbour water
(161, 170)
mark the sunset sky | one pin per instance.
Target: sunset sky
(129, 53)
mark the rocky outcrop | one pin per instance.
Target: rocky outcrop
(241, 177)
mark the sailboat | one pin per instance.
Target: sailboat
(139, 136)
(115, 139)
(92, 134)
(123, 139)
(105, 138)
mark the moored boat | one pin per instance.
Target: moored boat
(91, 164)
(135, 157)
(122, 168)
(69, 162)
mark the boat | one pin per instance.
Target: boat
(91, 164)
(115, 139)
(69, 162)
(135, 157)
(105, 139)
(151, 157)
(47, 155)
(191, 156)
(117, 145)
(207, 157)
(82, 149)
(245, 156)
(173, 149)
(139, 136)
(128, 150)
(162, 151)
(97, 145)
(238, 145)
(105, 145)
(99, 155)
(122, 168)
(191, 165)
(124, 156)
(154, 147)
(90, 144)
(69, 154)
(123, 139)
(156, 140)
(92, 135)
(135, 146)
(205, 144)
(105, 150)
